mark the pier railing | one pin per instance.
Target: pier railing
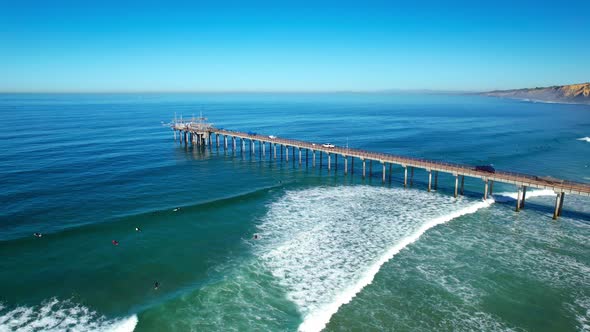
(449, 167)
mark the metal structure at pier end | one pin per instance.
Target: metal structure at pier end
(200, 133)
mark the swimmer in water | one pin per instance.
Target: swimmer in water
(137, 229)
(156, 285)
(115, 242)
(37, 234)
(256, 237)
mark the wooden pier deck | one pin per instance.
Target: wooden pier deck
(203, 135)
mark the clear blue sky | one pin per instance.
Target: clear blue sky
(291, 45)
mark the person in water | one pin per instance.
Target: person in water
(137, 229)
(115, 242)
(256, 237)
(156, 285)
(37, 234)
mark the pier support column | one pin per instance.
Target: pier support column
(185, 137)
(275, 151)
(485, 189)
(293, 155)
(351, 165)
(243, 145)
(321, 159)
(436, 180)
(523, 197)
(390, 171)
(462, 184)
(405, 176)
(336, 163)
(263, 148)
(282, 147)
(383, 173)
(412, 177)
(286, 153)
(233, 139)
(225, 142)
(429, 180)
(306, 157)
(561, 204)
(491, 187)
(558, 205)
(329, 162)
(518, 198)
(217, 140)
(252, 147)
(456, 185)
(364, 167)
(370, 168)
(299, 156)
(313, 158)
(345, 165)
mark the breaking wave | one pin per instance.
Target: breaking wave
(324, 245)
(586, 139)
(56, 315)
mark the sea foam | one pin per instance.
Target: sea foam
(56, 315)
(324, 245)
(586, 139)
(507, 196)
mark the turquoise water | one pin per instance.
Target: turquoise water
(336, 252)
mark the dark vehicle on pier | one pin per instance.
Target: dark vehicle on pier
(251, 133)
(485, 168)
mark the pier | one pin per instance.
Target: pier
(198, 132)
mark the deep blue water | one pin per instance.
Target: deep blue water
(86, 169)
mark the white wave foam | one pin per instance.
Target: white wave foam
(56, 315)
(324, 245)
(501, 197)
(585, 139)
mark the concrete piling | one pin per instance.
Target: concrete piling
(405, 176)
(364, 167)
(345, 165)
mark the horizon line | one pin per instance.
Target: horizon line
(262, 91)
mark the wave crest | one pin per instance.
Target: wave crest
(324, 245)
(56, 315)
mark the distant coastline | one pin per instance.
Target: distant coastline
(566, 94)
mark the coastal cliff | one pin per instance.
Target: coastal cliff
(573, 93)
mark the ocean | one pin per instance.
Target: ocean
(336, 252)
